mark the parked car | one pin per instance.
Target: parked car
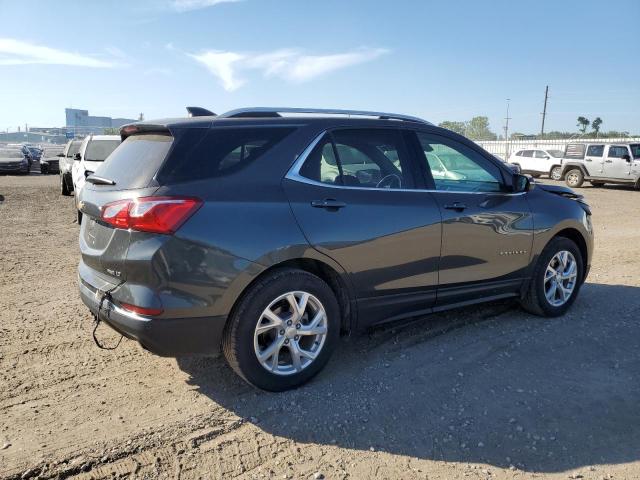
(266, 235)
(50, 160)
(539, 162)
(66, 163)
(92, 153)
(13, 160)
(601, 163)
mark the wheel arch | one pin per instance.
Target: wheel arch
(570, 166)
(576, 237)
(326, 273)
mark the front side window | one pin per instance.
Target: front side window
(456, 167)
(527, 153)
(616, 151)
(595, 150)
(366, 158)
(635, 150)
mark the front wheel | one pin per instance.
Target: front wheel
(556, 173)
(556, 279)
(574, 178)
(283, 330)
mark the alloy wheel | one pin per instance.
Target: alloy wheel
(290, 333)
(560, 278)
(573, 179)
(556, 174)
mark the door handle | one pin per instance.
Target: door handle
(608, 161)
(587, 159)
(329, 204)
(457, 206)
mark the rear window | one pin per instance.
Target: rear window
(222, 151)
(134, 163)
(98, 150)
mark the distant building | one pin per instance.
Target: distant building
(81, 123)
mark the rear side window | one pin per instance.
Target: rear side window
(575, 150)
(134, 163)
(222, 151)
(99, 150)
(527, 153)
(595, 150)
(366, 158)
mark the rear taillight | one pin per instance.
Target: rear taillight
(149, 312)
(150, 214)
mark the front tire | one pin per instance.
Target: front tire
(556, 279)
(64, 186)
(283, 330)
(574, 178)
(556, 173)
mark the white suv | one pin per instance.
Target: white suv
(93, 152)
(539, 162)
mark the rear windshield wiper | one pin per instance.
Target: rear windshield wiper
(96, 180)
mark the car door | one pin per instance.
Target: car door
(541, 162)
(617, 163)
(487, 230)
(353, 193)
(594, 160)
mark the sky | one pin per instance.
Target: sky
(439, 60)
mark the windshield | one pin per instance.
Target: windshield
(11, 154)
(74, 148)
(98, 150)
(635, 150)
(555, 153)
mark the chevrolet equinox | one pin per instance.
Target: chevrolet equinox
(267, 233)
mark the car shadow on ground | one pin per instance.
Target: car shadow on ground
(487, 384)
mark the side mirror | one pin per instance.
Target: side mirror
(626, 157)
(77, 156)
(521, 183)
(546, 157)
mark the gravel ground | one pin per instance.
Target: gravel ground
(483, 392)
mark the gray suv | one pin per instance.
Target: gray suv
(269, 232)
(617, 163)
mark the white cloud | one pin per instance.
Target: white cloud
(17, 52)
(289, 64)
(221, 64)
(186, 5)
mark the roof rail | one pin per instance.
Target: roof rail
(200, 112)
(262, 112)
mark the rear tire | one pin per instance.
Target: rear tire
(574, 178)
(556, 173)
(271, 300)
(536, 299)
(79, 217)
(44, 169)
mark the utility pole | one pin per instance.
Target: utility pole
(544, 111)
(506, 133)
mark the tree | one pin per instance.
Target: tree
(458, 127)
(478, 129)
(595, 125)
(583, 124)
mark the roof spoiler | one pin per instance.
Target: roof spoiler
(199, 112)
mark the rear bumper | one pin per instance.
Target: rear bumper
(165, 337)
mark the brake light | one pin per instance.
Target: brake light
(149, 312)
(150, 214)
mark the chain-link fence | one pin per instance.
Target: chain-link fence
(503, 148)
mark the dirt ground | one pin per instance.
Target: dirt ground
(484, 392)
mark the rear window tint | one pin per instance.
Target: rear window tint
(134, 163)
(98, 150)
(222, 151)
